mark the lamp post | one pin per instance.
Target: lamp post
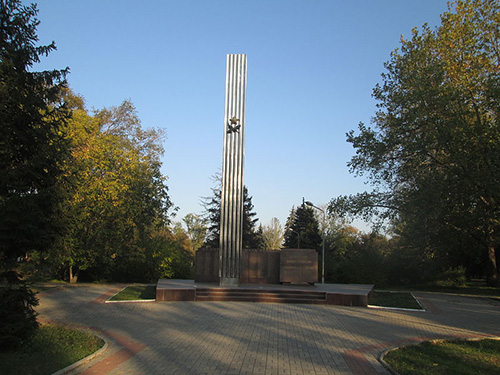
(298, 237)
(323, 236)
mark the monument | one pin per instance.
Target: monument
(231, 223)
(230, 265)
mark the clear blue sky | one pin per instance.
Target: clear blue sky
(312, 65)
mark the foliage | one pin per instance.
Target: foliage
(211, 213)
(272, 235)
(196, 230)
(17, 314)
(452, 277)
(251, 237)
(302, 230)
(31, 139)
(447, 357)
(52, 348)
(32, 149)
(116, 197)
(177, 258)
(364, 261)
(433, 155)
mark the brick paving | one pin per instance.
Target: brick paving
(243, 338)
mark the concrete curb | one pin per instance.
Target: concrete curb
(128, 300)
(422, 309)
(88, 358)
(384, 363)
(395, 308)
(131, 301)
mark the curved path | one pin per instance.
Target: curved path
(256, 338)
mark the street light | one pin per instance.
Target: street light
(323, 236)
(298, 236)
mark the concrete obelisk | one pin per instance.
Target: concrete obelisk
(231, 223)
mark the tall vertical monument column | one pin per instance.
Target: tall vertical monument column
(231, 223)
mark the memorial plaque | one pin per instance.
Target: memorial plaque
(299, 266)
(260, 266)
(206, 265)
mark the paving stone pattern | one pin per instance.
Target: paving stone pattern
(257, 338)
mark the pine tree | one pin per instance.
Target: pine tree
(302, 229)
(31, 151)
(251, 237)
(32, 145)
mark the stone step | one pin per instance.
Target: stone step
(259, 299)
(253, 291)
(251, 295)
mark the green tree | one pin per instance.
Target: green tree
(303, 229)
(32, 150)
(32, 147)
(251, 238)
(364, 261)
(211, 213)
(433, 155)
(288, 226)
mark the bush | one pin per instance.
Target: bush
(452, 277)
(362, 262)
(17, 313)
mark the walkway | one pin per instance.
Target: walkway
(256, 338)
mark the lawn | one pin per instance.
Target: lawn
(472, 288)
(136, 292)
(393, 299)
(447, 357)
(49, 350)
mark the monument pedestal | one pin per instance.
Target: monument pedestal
(229, 281)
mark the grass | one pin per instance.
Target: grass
(393, 299)
(473, 288)
(447, 357)
(135, 292)
(49, 350)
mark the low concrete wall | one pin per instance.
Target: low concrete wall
(257, 266)
(206, 265)
(260, 266)
(175, 294)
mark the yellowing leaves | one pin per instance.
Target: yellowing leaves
(114, 195)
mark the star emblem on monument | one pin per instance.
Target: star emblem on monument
(233, 125)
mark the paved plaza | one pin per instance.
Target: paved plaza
(256, 338)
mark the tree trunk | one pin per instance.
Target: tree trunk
(492, 278)
(72, 278)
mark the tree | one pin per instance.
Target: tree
(251, 238)
(288, 226)
(32, 147)
(32, 150)
(272, 235)
(196, 230)
(433, 156)
(116, 197)
(211, 214)
(303, 232)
